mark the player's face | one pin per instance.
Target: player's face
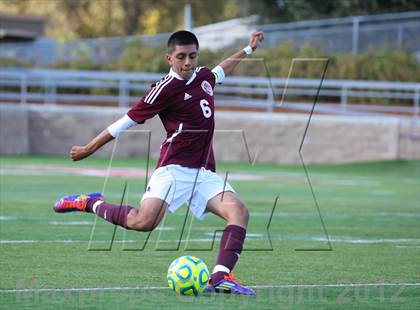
(183, 60)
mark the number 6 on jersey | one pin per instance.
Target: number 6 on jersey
(204, 104)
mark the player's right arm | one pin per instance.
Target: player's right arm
(81, 152)
(150, 105)
(109, 134)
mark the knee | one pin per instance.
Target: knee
(241, 212)
(244, 213)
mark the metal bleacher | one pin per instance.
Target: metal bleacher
(122, 89)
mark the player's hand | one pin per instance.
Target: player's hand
(79, 152)
(256, 38)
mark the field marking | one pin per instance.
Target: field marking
(132, 172)
(7, 218)
(38, 241)
(283, 214)
(280, 214)
(333, 214)
(91, 223)
(336, 285)
(364, 241)
(51, 170)
(70, 222)
(127, 288)
(379, 192)
(279, 236)
(96, 241)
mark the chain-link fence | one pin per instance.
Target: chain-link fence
(351, 34)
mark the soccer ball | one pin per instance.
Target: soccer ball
(188, 275)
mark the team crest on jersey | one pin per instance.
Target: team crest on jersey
(207, 87)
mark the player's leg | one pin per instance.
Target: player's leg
(145, 218)
(148, 216)
(152, 209)
(229, 207)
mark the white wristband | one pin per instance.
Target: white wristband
(248, 50)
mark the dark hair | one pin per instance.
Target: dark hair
(182, 37)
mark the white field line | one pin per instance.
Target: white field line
(70, 222)
(284, 214)
(382, 192)
(290, 177)
(333, 214)
(100, 172)
(91, 223)
(8, 218)
(96, 241)
(265, 214)
(249, 235)
(363, 241)
(127, 288)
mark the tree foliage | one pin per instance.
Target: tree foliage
(73, 19)
(383, 64)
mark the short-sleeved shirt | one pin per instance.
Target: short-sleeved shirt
(186, 109)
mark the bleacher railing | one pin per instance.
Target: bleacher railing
(106, 88)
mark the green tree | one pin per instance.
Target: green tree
(73, 19)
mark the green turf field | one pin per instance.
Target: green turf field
(58, 261)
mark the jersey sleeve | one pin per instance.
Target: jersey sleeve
(120, 126)
(153, 102)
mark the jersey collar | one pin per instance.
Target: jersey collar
(176, 75)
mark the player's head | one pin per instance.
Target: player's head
(182, 53)
(182, 37)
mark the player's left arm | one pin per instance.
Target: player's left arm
(226, 66)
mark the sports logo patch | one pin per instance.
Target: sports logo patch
(207, 87)
(187, 96)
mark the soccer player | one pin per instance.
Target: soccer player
(185, 171)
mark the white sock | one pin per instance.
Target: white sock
(96, 205)
(221, 268)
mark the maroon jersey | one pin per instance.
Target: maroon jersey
(186, 109)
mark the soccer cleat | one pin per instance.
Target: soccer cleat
(229, 285)
(75, 202)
